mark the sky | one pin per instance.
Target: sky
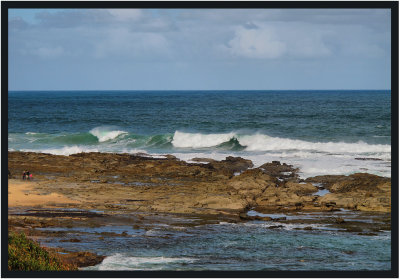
(185, 49)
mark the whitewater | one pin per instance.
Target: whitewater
(313, 158)
(320, 132)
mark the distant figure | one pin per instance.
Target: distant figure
(27, 175)
(23, 175)
(30, 176)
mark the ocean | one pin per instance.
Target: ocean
(321, 132)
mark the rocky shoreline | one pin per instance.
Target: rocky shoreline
(99, 189)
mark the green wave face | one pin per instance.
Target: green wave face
(28, 140)
(78, 139)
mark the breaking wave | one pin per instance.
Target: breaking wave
(313, 158)
(261, 142)
(198, 140)
(106, 133)
(116, 140)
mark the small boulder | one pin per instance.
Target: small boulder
(275, 227)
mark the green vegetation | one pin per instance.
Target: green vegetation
(25, 254)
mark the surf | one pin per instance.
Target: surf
(262, 142)
(104, 133)
(198, 140)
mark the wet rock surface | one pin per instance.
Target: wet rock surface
(359, 191)
(79, 259)
(121, 189)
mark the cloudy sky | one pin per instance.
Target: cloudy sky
(128, 49)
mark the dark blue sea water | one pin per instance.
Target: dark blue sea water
(319, 131)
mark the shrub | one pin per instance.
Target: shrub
(25, 254)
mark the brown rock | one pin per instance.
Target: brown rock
(360, 191)
(70, 240)
(301, 189)
(231, 165)
(126, 182)
(82, 259)
(207, 160)
(368, 234)
(338, 220)
(275, 227)
(278, 170)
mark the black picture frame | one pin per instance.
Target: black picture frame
(392, 5)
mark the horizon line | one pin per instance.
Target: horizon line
(61, 90)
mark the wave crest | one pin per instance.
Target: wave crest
(261, 142)
(198, 140)
(105, 133)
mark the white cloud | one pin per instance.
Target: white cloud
(194, 35)
(256, 43)
(271, 41)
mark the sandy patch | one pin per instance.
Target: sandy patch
(22, 193)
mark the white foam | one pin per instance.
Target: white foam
(311, 164)
(260, 142)
(198, 140)
(311, 158)
(67, 150)
(124, 262)
(104, 133)
(133, 151)
(187, 157)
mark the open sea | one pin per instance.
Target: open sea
(321, 132)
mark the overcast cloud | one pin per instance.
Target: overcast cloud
(129, 49)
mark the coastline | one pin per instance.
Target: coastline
(99, 189)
